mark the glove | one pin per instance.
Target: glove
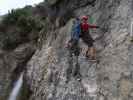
(68, 44)
(97, 27)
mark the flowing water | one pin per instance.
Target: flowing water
(17, 88)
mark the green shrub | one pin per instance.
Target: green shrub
(28, 24)
(9, 41)
(13, 16)
(19, 26)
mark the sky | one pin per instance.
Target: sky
(6, 5)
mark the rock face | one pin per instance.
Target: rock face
(52, 73)
(110, 79)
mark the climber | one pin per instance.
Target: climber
(73, 47)
(86, 37)
(72, 44)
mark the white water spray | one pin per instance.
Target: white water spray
(16, 88)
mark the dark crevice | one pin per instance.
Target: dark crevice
(65, 13)
(21, 67)
(92, 3)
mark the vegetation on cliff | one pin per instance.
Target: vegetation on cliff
(19, 26)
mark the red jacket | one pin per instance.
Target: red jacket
(86, 26)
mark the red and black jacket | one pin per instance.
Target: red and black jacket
(85, 27)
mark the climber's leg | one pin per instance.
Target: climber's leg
(70, 66)
(77, 74)
(76, 67)
(93, 53)
(87, 54)
(76, 70)
(86, 37)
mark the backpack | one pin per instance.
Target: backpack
(76, 30)
(84, 27)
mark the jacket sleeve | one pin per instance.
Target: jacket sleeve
(93, 26)
(72, 31)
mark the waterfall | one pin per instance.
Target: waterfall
(16, 88)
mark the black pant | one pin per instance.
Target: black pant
(87, 39)
(74, 49)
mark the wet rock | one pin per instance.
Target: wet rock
(11, 64)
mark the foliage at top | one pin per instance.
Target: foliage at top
(17, 26)
(13, 16)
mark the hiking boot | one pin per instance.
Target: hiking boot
(68, 45)
(78, 77)
(92, 59)
(88, 56)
